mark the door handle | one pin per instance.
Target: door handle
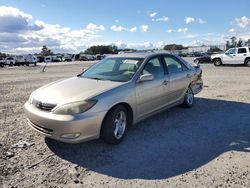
(233, 55)
(188, 75)
(165, 82)
(245, 54)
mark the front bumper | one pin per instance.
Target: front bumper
(84, 126)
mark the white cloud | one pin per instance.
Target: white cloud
(182, 30)
(117, 28)
(116, 21)
(232, 30)
(161, 19)
(189, 20)
(94, 27)
(144, 28)
(133, 29)
(13, 20)
(152, 14)
(20, 33)
(170, 30)
(242, 22)
(201, 21)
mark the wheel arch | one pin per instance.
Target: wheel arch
(128, 108)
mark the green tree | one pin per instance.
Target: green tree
(240, 43)
(102, 49)
(233, 41)
(171, 47)
(214, 49)
(45, 51)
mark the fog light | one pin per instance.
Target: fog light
(70, 135)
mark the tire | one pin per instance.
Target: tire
(34, 64)
(27, 64)
(115, 125)
(188, 98)
(247, 62)
(217, 62)
(11, 64)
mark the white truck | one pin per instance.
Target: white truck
(239, 55)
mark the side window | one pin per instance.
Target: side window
(242, 50)
(153, 66)
(174, 65)
(232, 51)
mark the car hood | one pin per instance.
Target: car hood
(72, 89)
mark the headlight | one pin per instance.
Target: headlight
(75, 107)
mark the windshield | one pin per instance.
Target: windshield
(114, 69)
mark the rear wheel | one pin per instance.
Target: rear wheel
(34, 64)
(188, 98)
(114, 125)
(217, 62)
(247, 62)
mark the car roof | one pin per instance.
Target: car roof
(138, 55)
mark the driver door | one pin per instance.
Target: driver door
(150, 94)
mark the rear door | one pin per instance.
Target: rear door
(241, 55)
(179, 78)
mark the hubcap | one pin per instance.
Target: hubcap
(248, 63)
(217, 62)
(120, 124)
(189, 96)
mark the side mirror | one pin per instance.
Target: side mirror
(145, 77)
(226, 53)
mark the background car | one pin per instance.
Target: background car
(204, 58)
(11, 61)
(2, 62)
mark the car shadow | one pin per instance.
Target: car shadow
(171, 143)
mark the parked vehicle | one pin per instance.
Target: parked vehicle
(56, 58)
(110, 96)
(204, 58)
(20, 60)
(99, 57)
(2, 62)
(48, 59)
(86, 57)
(11, 61)
(67, 57)
(240, 55)
(40, 59)
(31, 59)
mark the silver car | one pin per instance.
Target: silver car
(110, 96)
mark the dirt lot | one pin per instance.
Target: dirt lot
(205, 146)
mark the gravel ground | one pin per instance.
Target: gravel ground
(205, 146)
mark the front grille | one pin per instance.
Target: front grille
(40, 129)
(43, 106)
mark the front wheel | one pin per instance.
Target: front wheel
(114, 125)
(188, 98)
(217, 62)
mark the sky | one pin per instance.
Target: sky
(72, 26)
